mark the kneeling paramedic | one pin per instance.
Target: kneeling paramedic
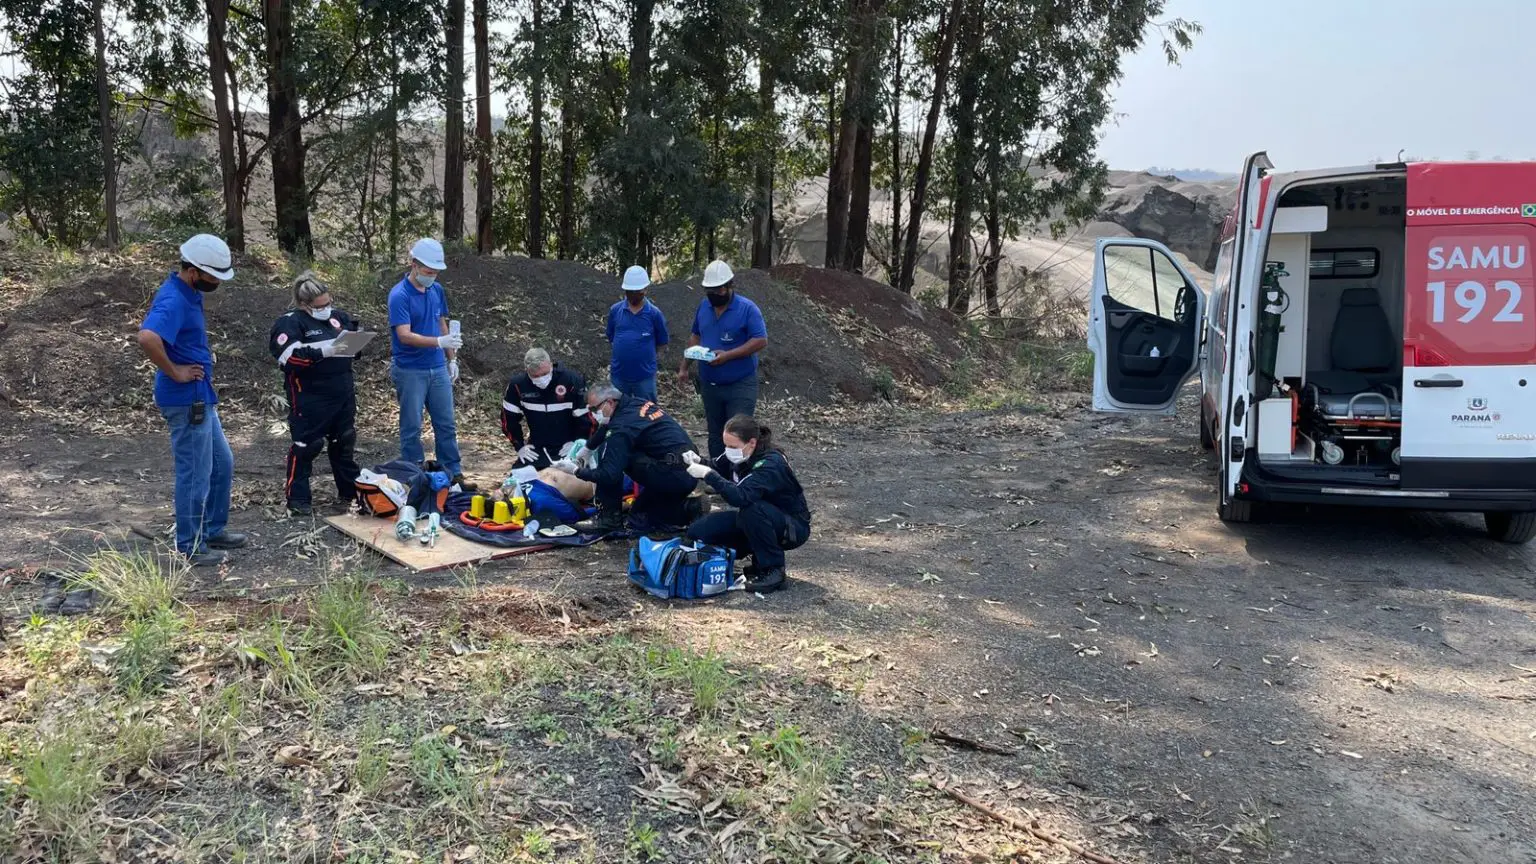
(554, 402)
(322, 403)
(639, 439)
(771, 514)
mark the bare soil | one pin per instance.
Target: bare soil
(1323, 686)
(1339, 686)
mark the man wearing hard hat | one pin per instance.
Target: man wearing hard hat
(174, 336)
(636, 330)
(424, 366)
(731, 330)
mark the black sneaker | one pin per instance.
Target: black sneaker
(607, 522)
(228, 540)
(300, 511)
(209, 558)
(464, 485)
(767, 581)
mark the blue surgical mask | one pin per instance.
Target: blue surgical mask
(737, 455)
(422, 281)
(542, 381)
(601, 417)
(321, 314)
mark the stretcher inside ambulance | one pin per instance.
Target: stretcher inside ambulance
(1369, 337)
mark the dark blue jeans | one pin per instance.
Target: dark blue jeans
(760, 529)
(724, 401)
(643, 388)
(205, 471)
(431, 389)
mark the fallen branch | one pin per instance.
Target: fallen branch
(944, 737)
(1032, 829)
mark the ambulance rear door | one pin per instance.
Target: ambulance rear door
(1469, 327)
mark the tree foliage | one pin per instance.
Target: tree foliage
(659, 132)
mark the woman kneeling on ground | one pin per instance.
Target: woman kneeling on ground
(771, 515)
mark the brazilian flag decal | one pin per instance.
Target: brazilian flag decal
(1528, 211)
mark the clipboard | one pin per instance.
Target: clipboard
(352, 341)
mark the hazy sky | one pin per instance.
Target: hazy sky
(1327, 83)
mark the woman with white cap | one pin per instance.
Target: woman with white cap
(636, 330)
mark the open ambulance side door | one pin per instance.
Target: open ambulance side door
(1144, 326)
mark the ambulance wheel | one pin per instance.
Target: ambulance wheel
(1206, 441)
(1511, 527)
(1236, 511)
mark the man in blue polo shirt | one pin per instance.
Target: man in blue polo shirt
(174, 336)
(424, 365)
(637, 330)
(732, 327)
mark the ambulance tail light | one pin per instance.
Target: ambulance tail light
(1429, 357)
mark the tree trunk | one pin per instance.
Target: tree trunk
(536, 138)
(762, 210)
(893, 268)
(453, 147)
(108, 129)
(964, 143)
(637, 103)
(567, 130)
(218, 72)
(858, 207)
(640, 31)
(840, 188)
(925, 152)
(484, 240)
(285, 131)
(993, 260)
(394, 149)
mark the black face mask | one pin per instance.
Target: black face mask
(718, 300)
(635, 298)
(206, 286)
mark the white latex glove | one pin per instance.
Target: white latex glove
(528, 454)
(327, 348)
(453, 370)
(691, 458)
(565, 465)
(699, 470)
(452, 340)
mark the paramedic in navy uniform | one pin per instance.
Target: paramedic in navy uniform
(554, 402)
(733, 328)
(639, 439)
(174, 336)
(771, 514)
(322, 404)
(425, 365)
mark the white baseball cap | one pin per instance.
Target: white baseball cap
(717, 273)
(210, 255)
(429, 253)
(635, 279)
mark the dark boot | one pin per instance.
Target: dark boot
(607, 522)
(464, 485)
(767, 581)
(228, 540)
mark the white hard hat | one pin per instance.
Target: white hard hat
(210, 255)
(429, 253)
(717, 273)
(636, 279)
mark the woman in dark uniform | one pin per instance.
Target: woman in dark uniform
(322, 406)
(770, 515)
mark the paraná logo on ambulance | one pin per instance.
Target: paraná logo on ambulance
(1478, 290)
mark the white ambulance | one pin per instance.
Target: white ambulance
(1369, 338)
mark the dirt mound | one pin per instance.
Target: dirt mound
(72, 349)
(508, 304)
(894, 331)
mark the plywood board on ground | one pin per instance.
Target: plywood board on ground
(450, 550)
